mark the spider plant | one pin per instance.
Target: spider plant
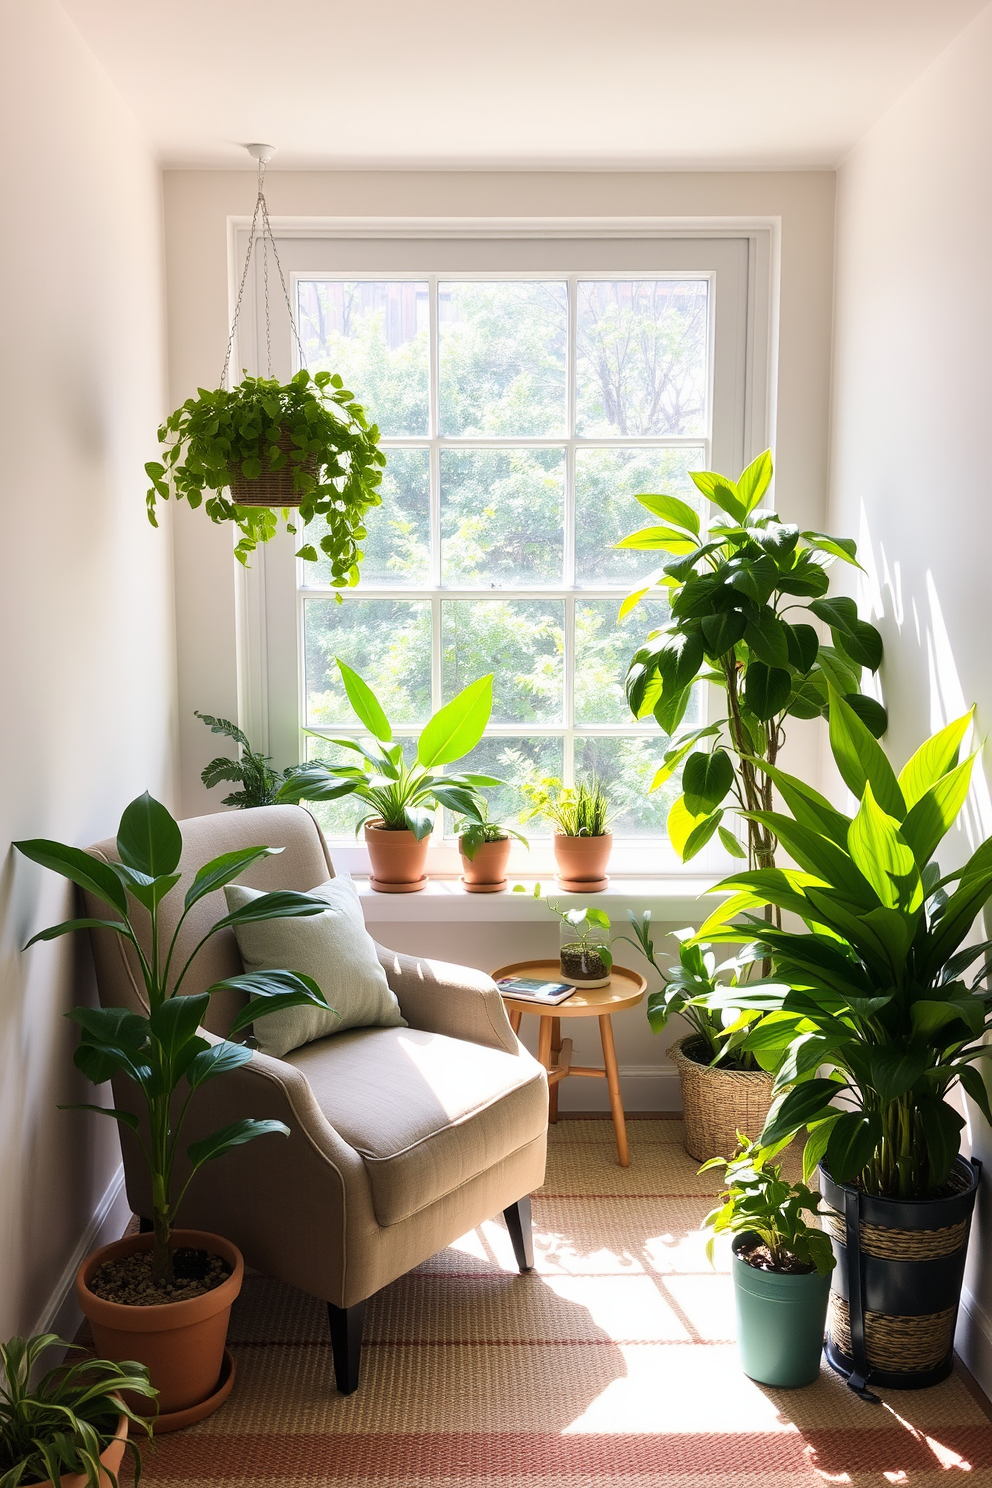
(581, 810)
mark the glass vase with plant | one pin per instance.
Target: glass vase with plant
(741, 593)
(584, 951)
(73, 1420)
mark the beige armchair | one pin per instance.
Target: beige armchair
(401, 1139)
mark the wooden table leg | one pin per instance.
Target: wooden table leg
(613, 1081)
(515, 1016)
(555, 1052)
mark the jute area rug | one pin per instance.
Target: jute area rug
(613, 1363)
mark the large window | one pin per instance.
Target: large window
(521, 412)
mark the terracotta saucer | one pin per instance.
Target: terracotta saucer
(176, 1420)
(582, 885)
(397, 888)
(477, 888)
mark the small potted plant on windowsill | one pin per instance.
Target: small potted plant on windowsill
(401, 799)
(485, 850)
(781, 1267)
(724, 1087)
(71, 1427)
(580, 815)
(165, 1297)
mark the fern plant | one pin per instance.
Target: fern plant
(260, 782)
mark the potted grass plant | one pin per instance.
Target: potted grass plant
(781, 1267)
(165, 1297)
(580, 816)
(70, 1428)
(398, 799)
(304, 444)
(724, 1088)
(876, 990)
(484, 847)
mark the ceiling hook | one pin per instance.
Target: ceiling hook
(262, 153)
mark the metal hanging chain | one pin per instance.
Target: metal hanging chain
(261, 216)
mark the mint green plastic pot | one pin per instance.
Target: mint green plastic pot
(780, 1322)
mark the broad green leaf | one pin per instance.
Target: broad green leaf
(281, 905)
(808, 807)
(316, 783)
(844, 677)
(933, 759)
(767, 638)
(632, 601)
(895, 1071)
(126, 1118)
(766, 689)
(927, 1017)
(803, 645)
(807, 1102)
(936, 811)
(722, 630)
(819, 855)
(219, 871)
(827, 909)
(816, 1145)
(175, 1022)
(688, 830)
(648, 539)
(456, 728)
(112, 1026)
(753, 482)
(836, 547)
(782, 886)
(942, 1128)
(700, 835)
(851, 1144)
(731, 843)
(671, 509)
(854, 636)
(148, 838)
(418, 821)
(232, 1136)
(706, 779)
(957, 919)
(974, 1085)
(871, 712)
(861, 760)
(673, 757)
(721, 491)
(148, 891)
(217, 1060)
(365, 703)
(67, 926)
(90, 873)
(884, 856)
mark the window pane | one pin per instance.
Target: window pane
(603, 649)
(521, 641)
(502, 517)
(513, 759)
(606, 483)
(387, 641)
(376, 336)
(501, 358)
(625, 767)
(398, 547)
(641, 357)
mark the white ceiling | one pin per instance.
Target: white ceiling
(525, 83)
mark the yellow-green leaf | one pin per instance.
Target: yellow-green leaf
(884, 856)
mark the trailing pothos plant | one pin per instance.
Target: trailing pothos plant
(876, 988)
(759, 1201)
(397, 796)
(311, 424)
(741, 593)
(161, 1049)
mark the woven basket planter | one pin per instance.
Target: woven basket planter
(274, 487)
(904, 1278)
(718, 1103)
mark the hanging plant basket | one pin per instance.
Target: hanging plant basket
(247, 452)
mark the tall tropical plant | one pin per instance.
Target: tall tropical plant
(403, 797)
(161, 1049)
(876, 988)
(741, 593)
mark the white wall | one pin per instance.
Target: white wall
(911, 457)
(87, 653)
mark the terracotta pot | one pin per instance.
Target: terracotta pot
(582, 862)
(398, 860)
(110, 1461)
(181, 1343)
(485, 873)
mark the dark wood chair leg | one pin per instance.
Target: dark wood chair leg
(145, 1226)
(346, 1344)
(518, 1223)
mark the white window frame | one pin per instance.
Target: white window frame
(270, 596)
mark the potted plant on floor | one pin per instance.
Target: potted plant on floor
(192, 1276)
(485, 850)
(71, 1428)
(724, 1088)
(304, 444)
(781, 1267)
(580, 815)
(734, 590)
(875, 990)
(400, 799)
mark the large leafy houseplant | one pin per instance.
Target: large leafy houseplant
(741, 593)
(759, 1201)
(875, 987)
(310, 426)
(161, 1049)
(396, 795)
(64, 1422)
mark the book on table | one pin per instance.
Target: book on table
(535, 989)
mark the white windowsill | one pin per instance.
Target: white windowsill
(679, 901)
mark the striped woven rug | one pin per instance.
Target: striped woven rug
(613, 1363)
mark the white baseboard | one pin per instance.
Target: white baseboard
(60, 1314)
(973, 1340)
(647, 1087)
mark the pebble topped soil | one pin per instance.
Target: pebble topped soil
(128, 1279)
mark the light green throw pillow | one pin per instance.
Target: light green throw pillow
(336, 950)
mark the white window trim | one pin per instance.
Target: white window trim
(258, 620)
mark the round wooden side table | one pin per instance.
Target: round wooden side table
(625, 991)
